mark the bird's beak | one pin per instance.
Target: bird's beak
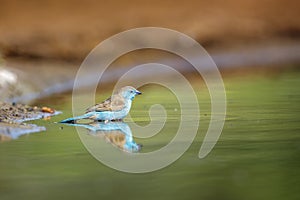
(138, 92)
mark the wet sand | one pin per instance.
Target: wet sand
(13, 116)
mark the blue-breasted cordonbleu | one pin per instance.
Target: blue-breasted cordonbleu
(115, 107)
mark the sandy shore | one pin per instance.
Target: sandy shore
(69, 29)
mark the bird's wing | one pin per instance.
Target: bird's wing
(113, 103)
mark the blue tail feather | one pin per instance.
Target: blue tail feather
(73, 119)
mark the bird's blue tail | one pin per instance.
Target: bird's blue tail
(72, 120)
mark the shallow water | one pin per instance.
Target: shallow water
(256, 157)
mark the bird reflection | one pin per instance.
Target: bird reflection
(116, 133)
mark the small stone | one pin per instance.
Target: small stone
(47, 110)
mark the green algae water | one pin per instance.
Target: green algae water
(256, 157)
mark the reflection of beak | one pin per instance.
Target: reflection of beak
(138, 92)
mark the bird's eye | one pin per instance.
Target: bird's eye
(131, 91)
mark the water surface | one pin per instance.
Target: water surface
(256, 157)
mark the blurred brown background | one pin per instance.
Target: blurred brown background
(68, 29)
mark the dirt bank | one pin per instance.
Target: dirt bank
(69, 29)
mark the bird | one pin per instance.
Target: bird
(114, 108)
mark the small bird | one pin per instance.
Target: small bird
(114, 108)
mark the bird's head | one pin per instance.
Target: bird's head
(129, 92)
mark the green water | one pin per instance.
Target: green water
(256, 157)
